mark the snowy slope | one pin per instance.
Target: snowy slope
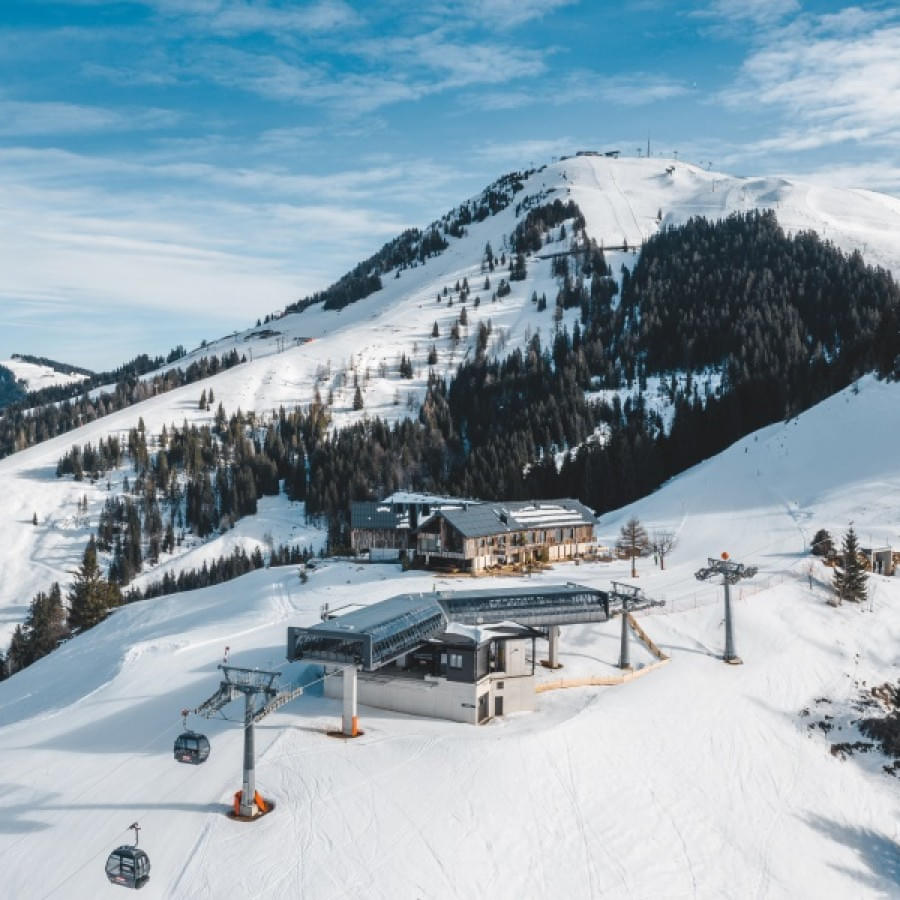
(621, 199)
(39, 376)
(700, 780)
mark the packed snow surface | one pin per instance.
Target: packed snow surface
(698, 780)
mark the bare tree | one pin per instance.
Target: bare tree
(633, 541)
(662, 543)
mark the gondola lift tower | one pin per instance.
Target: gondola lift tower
(732, 572)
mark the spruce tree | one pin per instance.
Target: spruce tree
(358, 399)
(91, 596)
(850, 579)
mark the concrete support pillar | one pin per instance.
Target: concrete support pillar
(248, 787)
(553, 637)
(350, 723)
(730, 653)
(624, 644)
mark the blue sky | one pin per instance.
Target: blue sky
(172, 169)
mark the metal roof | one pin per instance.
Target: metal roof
(375, 635)
(421, 498)
(509, 516)
(368, 514)
(372, 636)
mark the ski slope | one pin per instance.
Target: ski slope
(291, 358)
(699, 780)
(39, 376)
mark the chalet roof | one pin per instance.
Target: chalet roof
(506, 517)
(422, 498)
(368, 514)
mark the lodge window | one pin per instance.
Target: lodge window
(456, 660)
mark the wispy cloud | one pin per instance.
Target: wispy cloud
(725, 16)
(631, 89)
(21, 118)
(833, 79)
(499, 13)
(527, 152)
(232, 17)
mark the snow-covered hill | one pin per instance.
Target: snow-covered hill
(292, 357)
(700, 780)
(37, 376)
(622, 201)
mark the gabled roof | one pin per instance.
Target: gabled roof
(422, 498)
(505, 517)
(366, 514)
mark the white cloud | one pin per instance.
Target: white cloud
(247, 16)
(527, 152)
(832, 79)
(632, 89)
(19, 118)
(503, 13)
(740, 12)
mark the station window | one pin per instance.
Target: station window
(456, 660)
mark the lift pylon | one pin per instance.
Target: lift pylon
(731, 572)
(252, 683)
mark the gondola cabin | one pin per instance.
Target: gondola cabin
(129, 867)
(191, 747)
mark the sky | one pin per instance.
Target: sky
(171, 170)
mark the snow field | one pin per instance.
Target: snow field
(699, 780)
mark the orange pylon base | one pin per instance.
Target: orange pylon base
(263, 807)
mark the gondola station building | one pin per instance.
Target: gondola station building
(467, 656)
(471, 535)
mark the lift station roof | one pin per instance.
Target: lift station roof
(375, 635)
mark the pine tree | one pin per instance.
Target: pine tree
(850, 580)
(358, 399)
(91, 596)
(435, 331)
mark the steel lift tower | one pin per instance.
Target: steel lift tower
(252, 683)
(731, 572)
(628, 594)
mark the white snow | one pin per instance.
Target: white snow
(38, 376)
(698, 780)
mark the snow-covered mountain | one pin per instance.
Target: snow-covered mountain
(623, 200)
(700, 780)
(292, 357)
(40, 375)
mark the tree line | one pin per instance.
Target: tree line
(53, 411)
